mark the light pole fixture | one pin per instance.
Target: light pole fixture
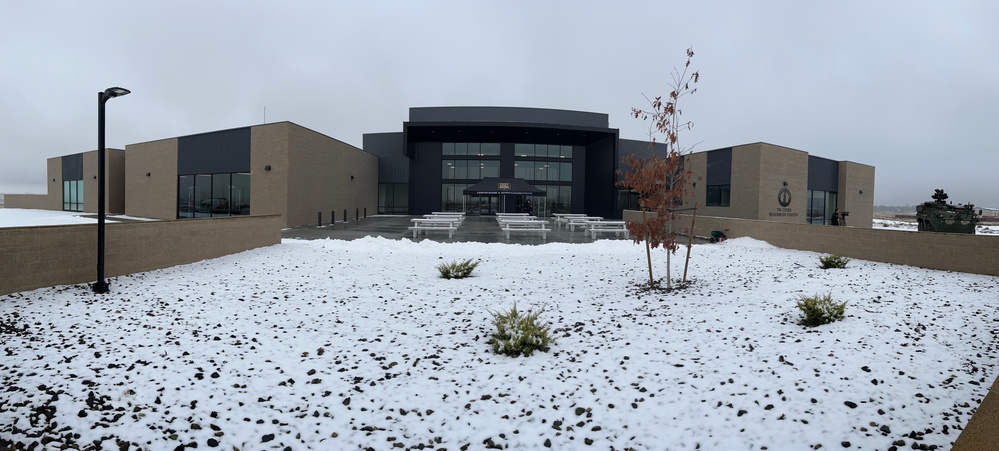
(101, 286)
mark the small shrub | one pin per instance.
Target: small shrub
(519, 333)
(457, 270)
(833, 261)
(820, 309)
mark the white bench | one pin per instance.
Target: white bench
(581, 221)
(616, 227)
(457, 219)
(427, 225)
(563, 218)
(503, 219)
(526, 225)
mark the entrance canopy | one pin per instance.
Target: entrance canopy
(492, 186)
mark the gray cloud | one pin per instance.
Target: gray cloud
(908, 87)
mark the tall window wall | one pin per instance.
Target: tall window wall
(393, 198)
(545, 167)
(821, 205)
(213, 195)
(72, 195)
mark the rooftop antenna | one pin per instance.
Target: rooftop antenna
(265, 114)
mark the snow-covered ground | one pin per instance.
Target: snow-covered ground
(20, 217)
(358, 344)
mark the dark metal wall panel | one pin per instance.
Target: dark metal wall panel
(216, 152)
(509, 114)
(383, 144)
(719, 170)
(425, 178)
(393, 164)
(72, 167)
(641, 149)
(823, 174)
(599, 192)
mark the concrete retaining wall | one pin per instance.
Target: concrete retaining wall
(976, 254)
(36, 257)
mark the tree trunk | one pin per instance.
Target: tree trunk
(648, 249)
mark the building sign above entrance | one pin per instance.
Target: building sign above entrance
(502, 186)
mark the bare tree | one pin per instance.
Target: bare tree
(660, 181)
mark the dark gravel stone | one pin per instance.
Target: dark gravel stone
(851, 404)
(267, 438)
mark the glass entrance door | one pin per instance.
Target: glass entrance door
(488, 205)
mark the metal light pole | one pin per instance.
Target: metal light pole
(101, 286)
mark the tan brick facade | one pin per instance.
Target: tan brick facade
(153, 195)
(269, 187)
(765, 177)
(329, 175)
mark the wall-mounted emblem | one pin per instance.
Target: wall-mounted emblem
(503, 186)
(784, 197)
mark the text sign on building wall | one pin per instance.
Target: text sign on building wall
(503, 186)
(784, 201)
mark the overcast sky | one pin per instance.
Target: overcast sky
(909, 87)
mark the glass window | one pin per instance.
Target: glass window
(185, 196)
(240, 195)
(447, 149)
(565, 152)
(461, 148)
(524, 150)
(490, 168)
(220, 194)
(552, 170)
(539, 171)
(67, 195)
(393, 198)
(718, 195)
(520, 169)
(453, 197)
(565, 173)
(473, 149)
(490, 149)
(72, 195)
(203, 196)
(473, 169)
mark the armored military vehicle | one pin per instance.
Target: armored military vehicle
(940, 216)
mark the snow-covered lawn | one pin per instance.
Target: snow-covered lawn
(358, 344)
(22, 217)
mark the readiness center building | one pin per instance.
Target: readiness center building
(480, 160)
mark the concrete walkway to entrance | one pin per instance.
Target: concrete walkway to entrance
(479, 229)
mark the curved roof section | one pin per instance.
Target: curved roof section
(508, 114)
